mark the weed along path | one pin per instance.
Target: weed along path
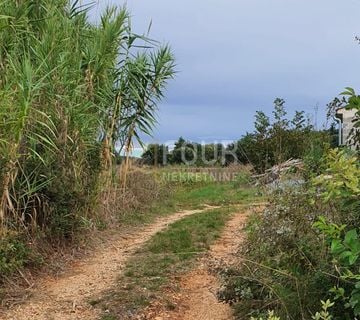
(196, 298)
(67, 297)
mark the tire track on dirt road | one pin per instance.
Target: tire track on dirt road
(67, 297)
(197, 296)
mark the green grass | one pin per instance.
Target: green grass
(214, 194)
(173, 251)
(193, 196)
(169, 252)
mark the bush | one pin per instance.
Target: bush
(282, 252)
(14, 254)
(303, 249)
(284, 269)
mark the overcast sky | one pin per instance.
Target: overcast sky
(236, 56)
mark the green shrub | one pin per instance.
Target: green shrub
(281, 253)
(304, 248)
(14, 254)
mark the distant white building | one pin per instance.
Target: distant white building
(345, 118)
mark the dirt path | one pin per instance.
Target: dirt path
(197, 297)
(66, 297)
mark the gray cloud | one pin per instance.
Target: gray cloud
(236, 56)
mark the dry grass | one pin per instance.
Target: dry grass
(143, 188)
(117, 209)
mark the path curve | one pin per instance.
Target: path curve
(67, 297)
(197, 297)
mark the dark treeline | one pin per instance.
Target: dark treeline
(271, 142)
(185, 152)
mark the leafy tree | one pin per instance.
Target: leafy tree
(279, 129)
(156, 155)
(278, 141)
(176, 157)
(262, 132)
(299, 120)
